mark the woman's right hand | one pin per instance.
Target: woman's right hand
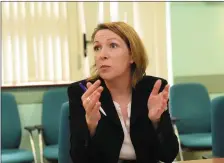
(91, 104)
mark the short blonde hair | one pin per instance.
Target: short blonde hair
(134, 44)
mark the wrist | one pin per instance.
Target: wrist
(92, 129)
(91, 126)
(154, 119)
(155, 124)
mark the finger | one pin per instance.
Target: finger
(164, 104)
(165, 95)
(95, 89)
(93, 101)
(156, 87)
(99, 90)
(95, 114)
(91, 89)
(88, 101)
(166, 89)
(96, 108)
(88, 84)
(95, 97)
(85, 103)
(162, 108)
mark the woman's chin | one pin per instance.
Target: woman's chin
(106, 76)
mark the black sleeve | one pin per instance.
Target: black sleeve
(168, 143)
(80, 149)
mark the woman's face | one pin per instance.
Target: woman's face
(112, 56)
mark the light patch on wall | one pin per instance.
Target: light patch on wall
(114, 11)
(197, 46)
(221, 20)
(136, 19)
(169, 44)
(101, 12)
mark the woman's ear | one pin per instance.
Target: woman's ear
(131, 57)
(131, 60)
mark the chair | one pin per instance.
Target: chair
(174, 120)
(217, 126)
(49, 130)
(64, 135)
(11, 133)
(190, 103)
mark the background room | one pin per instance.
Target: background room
(46, 45)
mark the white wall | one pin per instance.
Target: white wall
(197, 38)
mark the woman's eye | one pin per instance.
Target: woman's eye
(96, 48)
(113, 45)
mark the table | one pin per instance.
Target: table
(214, 160)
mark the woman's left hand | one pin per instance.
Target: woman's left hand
(157, 102)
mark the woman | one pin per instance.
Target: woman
(134, 126)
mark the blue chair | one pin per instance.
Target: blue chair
(217, 126)
(64, 135)
(11, 133)
(190, 104)
(49, 130)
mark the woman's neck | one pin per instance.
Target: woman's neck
(120, 88)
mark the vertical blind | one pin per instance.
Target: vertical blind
(36, 42)
(42, 42)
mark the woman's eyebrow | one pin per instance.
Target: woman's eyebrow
(96, 42)
(108, 40)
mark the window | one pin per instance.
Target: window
(36, 43)
(42, 42)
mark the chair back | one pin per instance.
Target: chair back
(217, 126)
(52, 102)
(64, 135)
(11, 125)
(190, 103)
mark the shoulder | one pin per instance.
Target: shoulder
(147, 83)
(74, 89)
(75, 85)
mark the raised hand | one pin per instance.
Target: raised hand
(91, 104)
(157, 102)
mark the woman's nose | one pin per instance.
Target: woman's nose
(103, 53)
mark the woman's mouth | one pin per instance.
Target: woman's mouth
(104, 67)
